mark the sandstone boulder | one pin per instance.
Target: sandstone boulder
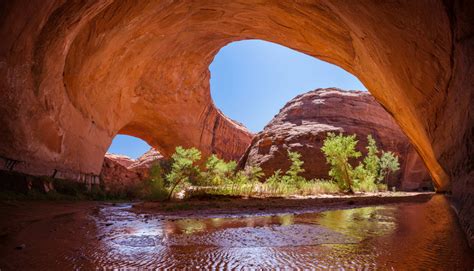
(302, 125)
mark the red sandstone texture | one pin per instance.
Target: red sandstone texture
(303, 123)
(121, 173)
(73, 74)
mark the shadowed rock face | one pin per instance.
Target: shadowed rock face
(303, 123)
(121, 173)
(74, 74)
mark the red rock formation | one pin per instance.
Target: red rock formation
(302, 126)
(73, 74)
(116, 178)
(120, 158)
(147, 160)
(121, 173)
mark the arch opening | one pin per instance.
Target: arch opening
(252, 79)
(130, 146)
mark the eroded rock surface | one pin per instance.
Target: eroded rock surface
(121, 173)
(74, 74)
(303, 123)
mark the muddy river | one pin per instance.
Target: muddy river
(405, 236)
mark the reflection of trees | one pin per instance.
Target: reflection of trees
(191, 226)
(186, 226)
(287, 219)
(360, 222)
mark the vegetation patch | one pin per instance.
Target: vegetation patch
(221, 178)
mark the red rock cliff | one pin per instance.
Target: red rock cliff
(302, 126)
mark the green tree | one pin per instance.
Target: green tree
(156, 183)
(218, 170)
(338, 149)
(296, 167)
(183, 168)
(372, 161)
(388, 164)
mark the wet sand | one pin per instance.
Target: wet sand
(239, 206)
(410, 232)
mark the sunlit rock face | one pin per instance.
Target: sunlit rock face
(75, 74)
(303, 123)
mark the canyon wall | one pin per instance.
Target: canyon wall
(303, 123)
(73, 74)
(121, 174)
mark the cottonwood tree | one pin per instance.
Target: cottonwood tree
(388, 164)
(338, 149)
(183, 168)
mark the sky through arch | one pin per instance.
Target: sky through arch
(251, 80)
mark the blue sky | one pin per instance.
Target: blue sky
(252, 79)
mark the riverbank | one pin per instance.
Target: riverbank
(236, 205)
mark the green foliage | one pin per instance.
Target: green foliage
(221, 178)
(366, 184)
(156, 184)
(372, 161)
(388, 164)
(217, 171)
(292, 174)
(338, 149)
(254, 173)
(368, 174)
(184, 171)
(275, 178)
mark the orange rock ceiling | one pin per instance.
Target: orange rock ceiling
(73, 74)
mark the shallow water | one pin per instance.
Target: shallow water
(417, 236)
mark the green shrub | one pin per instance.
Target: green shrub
(338, 149)
(314, 187)
(368, 174)
(296, 168)
(184, 171)
(217, 171)
(366, 184)
(388, 164)
(155, 186)
(371, 160)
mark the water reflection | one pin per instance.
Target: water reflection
(404, 236)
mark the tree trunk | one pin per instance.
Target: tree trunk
(172, 189)
(348, 179)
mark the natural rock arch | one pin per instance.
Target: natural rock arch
(73, 75)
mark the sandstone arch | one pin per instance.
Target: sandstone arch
(75, 74)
